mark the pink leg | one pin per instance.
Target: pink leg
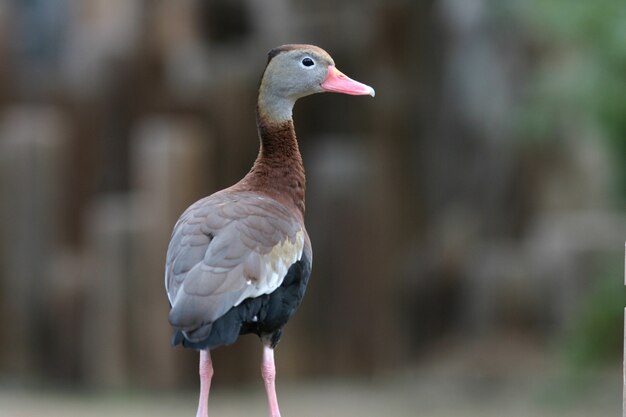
(268, 372)
(206, 373)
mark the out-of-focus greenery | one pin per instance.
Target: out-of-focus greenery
(596, 336)
(580, 79)
(577, 90)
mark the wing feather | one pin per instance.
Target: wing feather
(226, 248)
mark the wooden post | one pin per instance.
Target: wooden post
(170, 167)
(105, 327)
(33, 148)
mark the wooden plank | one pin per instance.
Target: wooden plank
(33, 149)
(105, 326)
(171, 166)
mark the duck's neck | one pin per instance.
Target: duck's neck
(278, 170)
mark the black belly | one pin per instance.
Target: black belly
(264, 315)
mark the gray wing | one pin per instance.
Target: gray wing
(226, 248)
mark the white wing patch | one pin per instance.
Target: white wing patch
(265, 273)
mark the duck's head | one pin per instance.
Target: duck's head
(295, 71)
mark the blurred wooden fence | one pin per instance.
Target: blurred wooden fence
(429, 218)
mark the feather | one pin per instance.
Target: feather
(226, 248)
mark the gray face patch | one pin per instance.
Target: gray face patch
(293, 71)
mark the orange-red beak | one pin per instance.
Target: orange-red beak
(338, 82)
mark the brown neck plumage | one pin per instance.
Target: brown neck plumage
(278, 170)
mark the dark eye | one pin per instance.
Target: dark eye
(308, 62)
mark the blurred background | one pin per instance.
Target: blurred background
(468, 223)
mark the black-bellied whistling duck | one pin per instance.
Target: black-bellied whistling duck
(239, 260)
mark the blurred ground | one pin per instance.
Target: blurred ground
(539, 387)
(335, 398)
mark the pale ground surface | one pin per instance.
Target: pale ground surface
(437, 395)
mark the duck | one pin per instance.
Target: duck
(239, 260)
